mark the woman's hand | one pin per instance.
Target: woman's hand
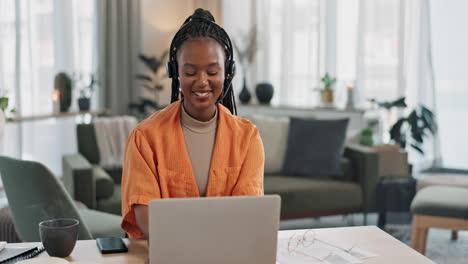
(142, 218)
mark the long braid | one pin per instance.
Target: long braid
(201, 24)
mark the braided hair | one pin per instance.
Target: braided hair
(202, 24)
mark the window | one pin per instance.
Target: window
(39, 39)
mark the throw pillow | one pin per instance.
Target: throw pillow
(315, 147)
(274, 133)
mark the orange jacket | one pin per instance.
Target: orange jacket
(157, 164)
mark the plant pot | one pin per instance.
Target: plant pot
(245, 95)
(327, 96)
(264, 92)
(84, 104)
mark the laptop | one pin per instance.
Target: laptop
(237, 229)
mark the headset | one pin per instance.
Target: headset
(229, 66)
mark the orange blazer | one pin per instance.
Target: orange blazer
(157, 164)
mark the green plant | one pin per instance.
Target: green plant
(328, 82)
(367, 137)
(399, 103)
(4, 103)
(145, 106)
(414, 128)
(150, 81)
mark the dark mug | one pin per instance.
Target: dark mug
(59, 236)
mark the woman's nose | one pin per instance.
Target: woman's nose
(203, 79)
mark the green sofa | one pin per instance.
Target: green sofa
(88, 183)
(308, 197)
(301, 197)
(353, 191)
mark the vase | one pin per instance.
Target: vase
(350, 99)
(84, 104)
(264, 92)
(245, 95)
(63, 85)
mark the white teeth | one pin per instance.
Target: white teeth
(201, 94)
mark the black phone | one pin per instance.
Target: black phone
(109, 245)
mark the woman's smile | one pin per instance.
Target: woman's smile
(203, 94)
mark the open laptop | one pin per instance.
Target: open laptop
(240, 229)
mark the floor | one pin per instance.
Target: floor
(440, 248)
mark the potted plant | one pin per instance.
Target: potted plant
(327, 92)
(3, 112)
(413, 128)
(246, 57)
(86, 91)
(151, 83)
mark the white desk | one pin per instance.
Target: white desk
(388, 249)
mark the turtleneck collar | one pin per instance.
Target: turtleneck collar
(197, 126)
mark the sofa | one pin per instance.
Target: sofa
(354, 191)
(85, 180)
(308, 196)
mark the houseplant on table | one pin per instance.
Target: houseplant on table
(86, 90)
(414, 128)
(411, 129)
(327, 92)
(4, 101)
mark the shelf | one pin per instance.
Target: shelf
(57, 115)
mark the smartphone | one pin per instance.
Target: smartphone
(109, 245)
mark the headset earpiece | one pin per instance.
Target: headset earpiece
(172, 69)
(230, 68)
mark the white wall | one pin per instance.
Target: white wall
(160, 20)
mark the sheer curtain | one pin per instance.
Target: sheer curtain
(394, 59)
(39, 39)
(292, 48)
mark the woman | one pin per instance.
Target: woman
(195, 147)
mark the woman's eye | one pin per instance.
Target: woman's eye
(190, 73)
(212, 73)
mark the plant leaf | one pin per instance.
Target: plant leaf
(3, 103)
(428, 119)
(396, 133)
(417, 148)
(148, 87)
(151, 62)
(400, 102)
(143, 77)
(159, 87)
(163, 56)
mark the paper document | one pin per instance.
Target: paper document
(305, 247)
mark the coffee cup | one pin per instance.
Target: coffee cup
(59, 236)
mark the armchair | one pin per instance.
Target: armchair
(85, 180)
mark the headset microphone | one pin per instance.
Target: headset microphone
(220, 99)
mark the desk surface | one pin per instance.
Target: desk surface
(388, 249)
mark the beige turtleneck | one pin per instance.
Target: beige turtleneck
(199, 139)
